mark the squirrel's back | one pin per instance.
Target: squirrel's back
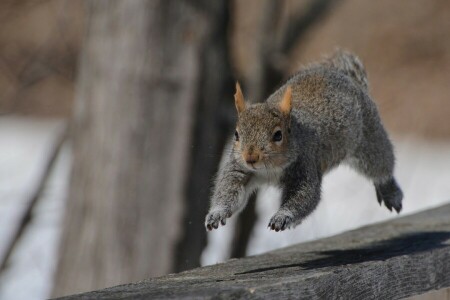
(342, 70)
(335, 88)
(329, 99)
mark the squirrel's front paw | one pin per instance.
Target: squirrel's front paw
(281, 220)
(215, 216)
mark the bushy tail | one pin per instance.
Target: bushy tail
(350, 65)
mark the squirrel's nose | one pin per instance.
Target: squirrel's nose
(251, 161)
(252, 158)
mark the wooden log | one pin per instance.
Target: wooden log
(391, 260)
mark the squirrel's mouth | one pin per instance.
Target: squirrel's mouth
(257, 166)
(264, 166)
(254, 166)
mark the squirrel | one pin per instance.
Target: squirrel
(321, 117)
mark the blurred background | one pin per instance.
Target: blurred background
(114, 115)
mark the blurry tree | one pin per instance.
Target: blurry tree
(152, 76)
(213, 119)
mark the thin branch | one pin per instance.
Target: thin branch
(27, 216)
(315, 10)
(266, 46)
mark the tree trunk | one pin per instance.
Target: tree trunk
(136, 101)
(212, 126)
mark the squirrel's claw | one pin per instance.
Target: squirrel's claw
(215, 217)
(281, 221)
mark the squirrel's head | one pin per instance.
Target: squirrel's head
(262, 132)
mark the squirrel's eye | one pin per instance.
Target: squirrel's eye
(277, 136)
(236, 135)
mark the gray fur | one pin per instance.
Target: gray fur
(333, 121)
(350, 65)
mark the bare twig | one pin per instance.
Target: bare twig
(266, 46)
(27, 215)
(301, 23)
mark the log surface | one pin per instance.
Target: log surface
(391, 260)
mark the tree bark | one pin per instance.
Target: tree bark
(135, 105)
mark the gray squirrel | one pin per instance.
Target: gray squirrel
(321, 117)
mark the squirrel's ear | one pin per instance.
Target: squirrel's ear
(286, 103)
(239, 99)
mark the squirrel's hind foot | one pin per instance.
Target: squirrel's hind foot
(390, 193)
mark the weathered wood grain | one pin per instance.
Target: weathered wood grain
(391, 260)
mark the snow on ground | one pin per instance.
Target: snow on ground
(25, 148)
(349, 201)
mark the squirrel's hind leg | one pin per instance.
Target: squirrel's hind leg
(374, 158)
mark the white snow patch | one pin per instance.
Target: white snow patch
(25, 148)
